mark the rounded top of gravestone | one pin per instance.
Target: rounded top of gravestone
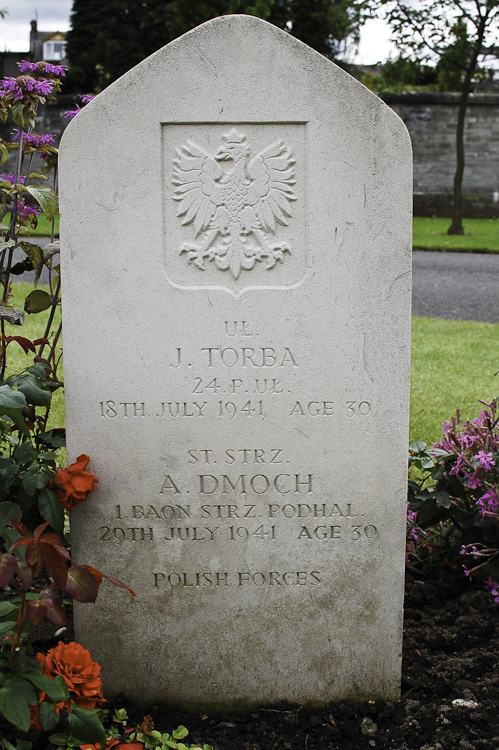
(243, 49)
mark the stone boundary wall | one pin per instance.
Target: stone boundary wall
(431, 121)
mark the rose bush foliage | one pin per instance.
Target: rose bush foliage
(61, 690)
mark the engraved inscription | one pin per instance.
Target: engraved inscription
(234, 202)
(266, 505)
(203, 579)
(239, 496)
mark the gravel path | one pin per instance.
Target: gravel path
(461, 286)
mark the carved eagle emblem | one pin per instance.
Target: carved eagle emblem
(234, 202)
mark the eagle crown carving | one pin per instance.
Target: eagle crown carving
(234, 202)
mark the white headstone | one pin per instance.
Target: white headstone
(236, 233)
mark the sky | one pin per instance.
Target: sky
(53, 15)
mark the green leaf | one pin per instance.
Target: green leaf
(51, 509)
(85, 726)
(39, 370)
(17, 418)
(29, 482)
(36, 176)
(48, 716)
(37, 301)
(7, 625)
(54, 438)
(11, 399)
(14, 317)
(20, 744)
(18, 114)
(180, 732)
(417, 447)
(36, 256)
(22, 688)
(59, 739)
(34, 392)
(46, 198)
(5, 154)
(22, 453)
(7, 512)
(50, 250)
(439, 452)
(6, 245)
(16, 696)
(438, 472)
(427, 463)
(9, 537)
(56, 688)
(6, 607)
(427, 512)
(443, 498)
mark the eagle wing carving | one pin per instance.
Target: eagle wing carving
(271, 192)
(195, 175)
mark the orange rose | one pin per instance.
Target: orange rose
(74, 483)
(34, 712)
(81, 674)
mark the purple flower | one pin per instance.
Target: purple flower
(25, 66)
(42, 68)
(24, 211)
(489, 502)
(43, 87)
(12, 178)
(474, 482)
(485, 460)
(10, 85)
(22, 86)
(458, 465)
(56, 70)
(85, 99)
(34, 140)
(466, 572)
(493, 587)
(72, 113)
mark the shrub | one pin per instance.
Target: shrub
(453, 508)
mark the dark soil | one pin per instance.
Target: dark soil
(450, 688)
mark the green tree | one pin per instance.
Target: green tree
(399, 75)
(456, 34)
(322, 24)
(108, 37)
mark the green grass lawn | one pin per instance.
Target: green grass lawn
(43, 227)
(453, 366)
(481, 235)
(33, 328)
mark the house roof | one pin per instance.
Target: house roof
(50, 36)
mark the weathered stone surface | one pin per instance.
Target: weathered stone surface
(236, 365)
